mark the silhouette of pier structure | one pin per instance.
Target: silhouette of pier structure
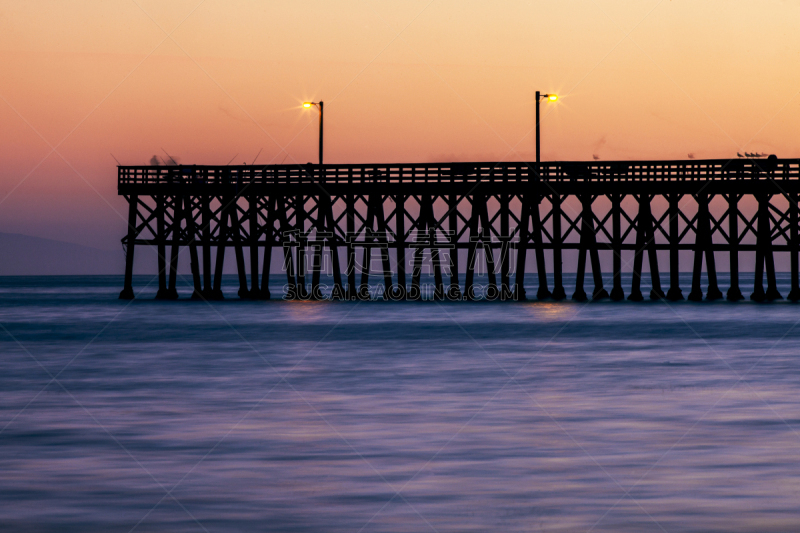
(499, 213)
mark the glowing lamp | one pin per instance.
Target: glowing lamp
(539, 97)
(320, 105)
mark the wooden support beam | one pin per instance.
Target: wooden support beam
(366, 257)
(375, 216)
(338, 290)
(238, 241)
(543, 292)
(734, 293)
(505, 241)
(474, 238)
(769, 259)
(300, 227)
(703, 245)
(713, 292)
(252, 212)
(133, 211)
(269, 241)
(326, 235)
(352, 291)
(383, 244)
(696, 294)
(216, 293)
(617, 293)
(415, 293)
(454, 292)
(645, 240)
(588, 243)
(522, 248)
(161, 246)
(284, 234)
(794, 246)
(480, 216)
(558, 241)
(674, 293)
(486, 242)
(193, 237)
(656, 292)
(177, 218)
(599, 292)
(438, 292)
(642, 220)
(206, 231)
(764, 254)
(400, 246)
(317, 246)
(426, 238)
(758, 293)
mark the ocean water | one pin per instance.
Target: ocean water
(372, 416)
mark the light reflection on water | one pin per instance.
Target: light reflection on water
(548, 310)
(620, 416)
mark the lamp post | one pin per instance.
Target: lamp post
(539, 96)
(320, 107)
(558, 287)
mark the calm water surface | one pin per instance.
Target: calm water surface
(299, 416)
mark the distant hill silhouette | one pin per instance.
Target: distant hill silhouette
(34, 256)
(23, 255)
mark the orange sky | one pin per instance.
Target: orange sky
(417, 80)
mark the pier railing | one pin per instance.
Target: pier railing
(565, 171)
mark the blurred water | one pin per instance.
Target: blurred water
(174, 416)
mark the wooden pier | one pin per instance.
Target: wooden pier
(498, 212)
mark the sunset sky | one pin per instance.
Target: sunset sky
(420, 80)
